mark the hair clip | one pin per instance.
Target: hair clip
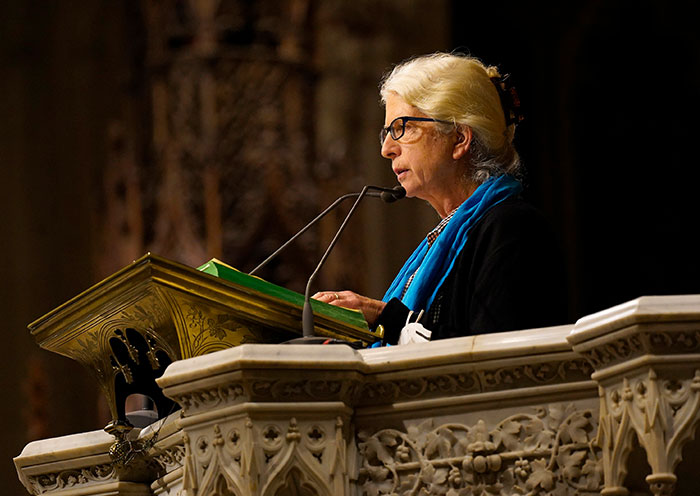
(510, 101)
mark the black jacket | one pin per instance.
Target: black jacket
(508, 276)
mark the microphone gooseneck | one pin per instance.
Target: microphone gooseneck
(307, 317)
(388, 195)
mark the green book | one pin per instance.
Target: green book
(220, 269)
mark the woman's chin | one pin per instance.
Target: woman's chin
(409, 193)
(410, 190)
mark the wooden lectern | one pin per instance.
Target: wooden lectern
(128, 328)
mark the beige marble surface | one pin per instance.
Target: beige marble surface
(646, 309)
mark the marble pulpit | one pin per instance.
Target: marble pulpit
(608, 405)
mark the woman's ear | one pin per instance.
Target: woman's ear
(464, 139)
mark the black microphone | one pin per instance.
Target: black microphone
(307, 317)
(395, 193)
(388, 195)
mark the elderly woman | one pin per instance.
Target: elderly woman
(489, 265)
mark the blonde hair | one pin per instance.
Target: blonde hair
(458, 89)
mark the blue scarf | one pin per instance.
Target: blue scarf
(433, 263)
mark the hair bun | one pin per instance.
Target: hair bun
(510, 101)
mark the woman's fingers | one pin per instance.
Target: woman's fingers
(370, 308)
(327, 296)
(340, 298)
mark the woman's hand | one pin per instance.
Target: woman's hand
(370, 308)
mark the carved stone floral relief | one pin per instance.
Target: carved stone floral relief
(68, 479)
(549, 452)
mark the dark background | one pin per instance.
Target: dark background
(610, 90)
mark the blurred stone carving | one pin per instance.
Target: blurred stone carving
(242, 120)
(229, 159)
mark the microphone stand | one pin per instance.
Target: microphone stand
(388, 195)
(304, 229)
(307, 316)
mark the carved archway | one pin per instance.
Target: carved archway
(295, 484)
(297, 471)
(221, 488)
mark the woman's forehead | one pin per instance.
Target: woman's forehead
(397, 107)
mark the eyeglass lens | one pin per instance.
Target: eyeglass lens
(396, 129)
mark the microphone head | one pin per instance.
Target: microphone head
(396, 193)
(399, 192)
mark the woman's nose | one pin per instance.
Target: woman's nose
(390, 147)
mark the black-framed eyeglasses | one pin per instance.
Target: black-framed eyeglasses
(397, 128)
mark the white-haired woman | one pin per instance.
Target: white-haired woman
(490, 264)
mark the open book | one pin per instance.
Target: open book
(220, 269)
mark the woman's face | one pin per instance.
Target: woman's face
(423, 159)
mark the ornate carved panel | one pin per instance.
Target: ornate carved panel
(268, 457)
(69, 479)
(662, 413)
(548, 452)
(479, 380)
(645, 354)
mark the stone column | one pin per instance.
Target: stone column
(646, 355)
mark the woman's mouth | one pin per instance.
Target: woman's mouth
(400, 173)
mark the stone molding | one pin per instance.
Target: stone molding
(204, 399)
(342, 374)
(562, 371)
(78, 464)
(672, 339)
(571, 369)
(72, 478)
